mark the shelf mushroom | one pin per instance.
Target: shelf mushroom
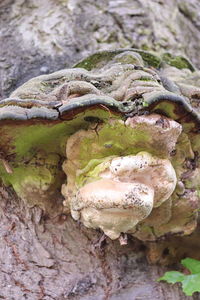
(113, 141)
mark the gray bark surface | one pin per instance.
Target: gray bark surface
(56, 258)
(45, 257)
(38, 37)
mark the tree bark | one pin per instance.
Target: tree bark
(41, 37)
(57, 258)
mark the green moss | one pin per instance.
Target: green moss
(51, 138)
(36, 149)
(179, 62)
(24, 178)
(146, 78)
(146, 229)
(129, 57)
(96, 60)
(91, 171)
(113, 139)
(168, 108)
(150, 59)
(145, 47)
(34, 181)
(145, 104)
(101, 58)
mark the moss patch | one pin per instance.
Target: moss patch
(101, 58)
(36, 151)
(113, 139)
(179, 62)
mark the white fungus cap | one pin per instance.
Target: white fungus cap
(112, 206)
(155, 172)
(124, 189)
(129, 189)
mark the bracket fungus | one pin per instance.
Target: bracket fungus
(114, 141)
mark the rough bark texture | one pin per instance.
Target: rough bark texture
(57, 258)
(44, 257)
(44, 36)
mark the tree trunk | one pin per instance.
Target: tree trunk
(57, 258)
(54, 257)
(40, 37)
